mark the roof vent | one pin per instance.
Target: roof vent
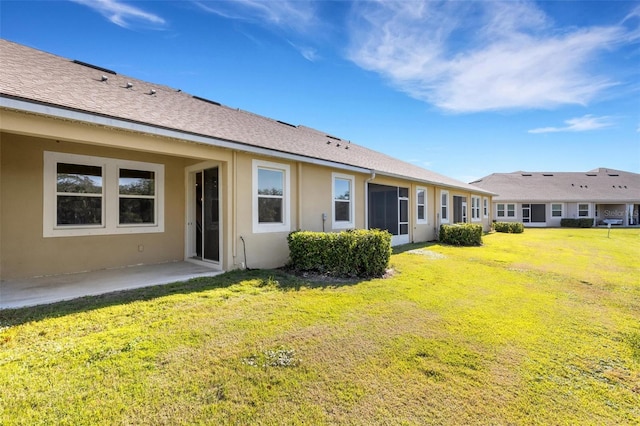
(95, 67)
(526, 174)
(333, 137)
(613, 174)
(591, 174)
(152, 91)
(104, 78)
(209, 101)
(547, 174)
(129, 85)
(286, 124)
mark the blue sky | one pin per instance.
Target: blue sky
(463, 88)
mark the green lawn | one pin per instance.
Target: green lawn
(535, 328)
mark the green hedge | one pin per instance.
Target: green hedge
(583, 222)
(362, 253)
(509, 227)
(461, 235)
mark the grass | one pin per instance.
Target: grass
(535, 328)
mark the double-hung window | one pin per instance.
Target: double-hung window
(556, 210)
(87, 195)
(505, 210)
(421, 205)
(583, 210)
(343, 204)
(271, 197)
(475, 208)
(444, 206)
(485, 207)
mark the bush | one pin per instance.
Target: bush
(461, 235)
(362, 253)
(584, 222)
(509, 227)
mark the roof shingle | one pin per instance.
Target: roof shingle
(37, 76)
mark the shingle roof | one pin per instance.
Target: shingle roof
(599, 185)
(37, 76)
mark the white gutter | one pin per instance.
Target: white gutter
(68, 114)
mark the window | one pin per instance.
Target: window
(556, 210)
(343, 205)
(500, 210)
(271, 197)
(444, 206)
(85, 195)
(511, 210)
(475, 208)
(421, 205)
(583, 210)
(485, 207)
(526, 213)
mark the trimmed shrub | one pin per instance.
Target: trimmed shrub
(461, 234)
(362, 253)
(509, 227)
(583, 222)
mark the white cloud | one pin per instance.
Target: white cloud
(579, 124)
(296, 15)
(122, 14)
(479, 56)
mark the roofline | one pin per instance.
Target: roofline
(20, 104)
(445, 185)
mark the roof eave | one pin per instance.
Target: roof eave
(56, 111)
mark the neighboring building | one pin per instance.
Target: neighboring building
(99, 170)
(542, 199)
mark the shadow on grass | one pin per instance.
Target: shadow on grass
(413, 246)
(276, 278)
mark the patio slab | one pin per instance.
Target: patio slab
(50, 289)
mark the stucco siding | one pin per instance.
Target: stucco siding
(26, 253)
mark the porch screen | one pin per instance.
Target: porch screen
(383, 207)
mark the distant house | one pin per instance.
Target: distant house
(542, 199)
(100, 170)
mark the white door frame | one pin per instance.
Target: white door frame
(190, 214)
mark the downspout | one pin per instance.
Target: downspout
(366, 198)
(234, 206)
(299, 210)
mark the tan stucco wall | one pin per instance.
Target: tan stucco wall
(26, 253)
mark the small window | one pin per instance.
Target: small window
(500, 211)
(444, 206)
(583, 210)
(271, 198)
(556, 210)
(343, 204)
(475, 208)
(79, 194)
(137, 196)
(421, 205)
(511, 210)
(485, 207)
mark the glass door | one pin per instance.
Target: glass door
(207, 215)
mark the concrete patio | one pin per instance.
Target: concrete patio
(50, 289)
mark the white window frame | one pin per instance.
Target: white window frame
(444, 207)
(485, 207)
(110, 196)
(554, 210)
(588, 210)
(475, 208)
(423, 220)
(343, 224)
(513, 209)
(285, 225)
(501, 208)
